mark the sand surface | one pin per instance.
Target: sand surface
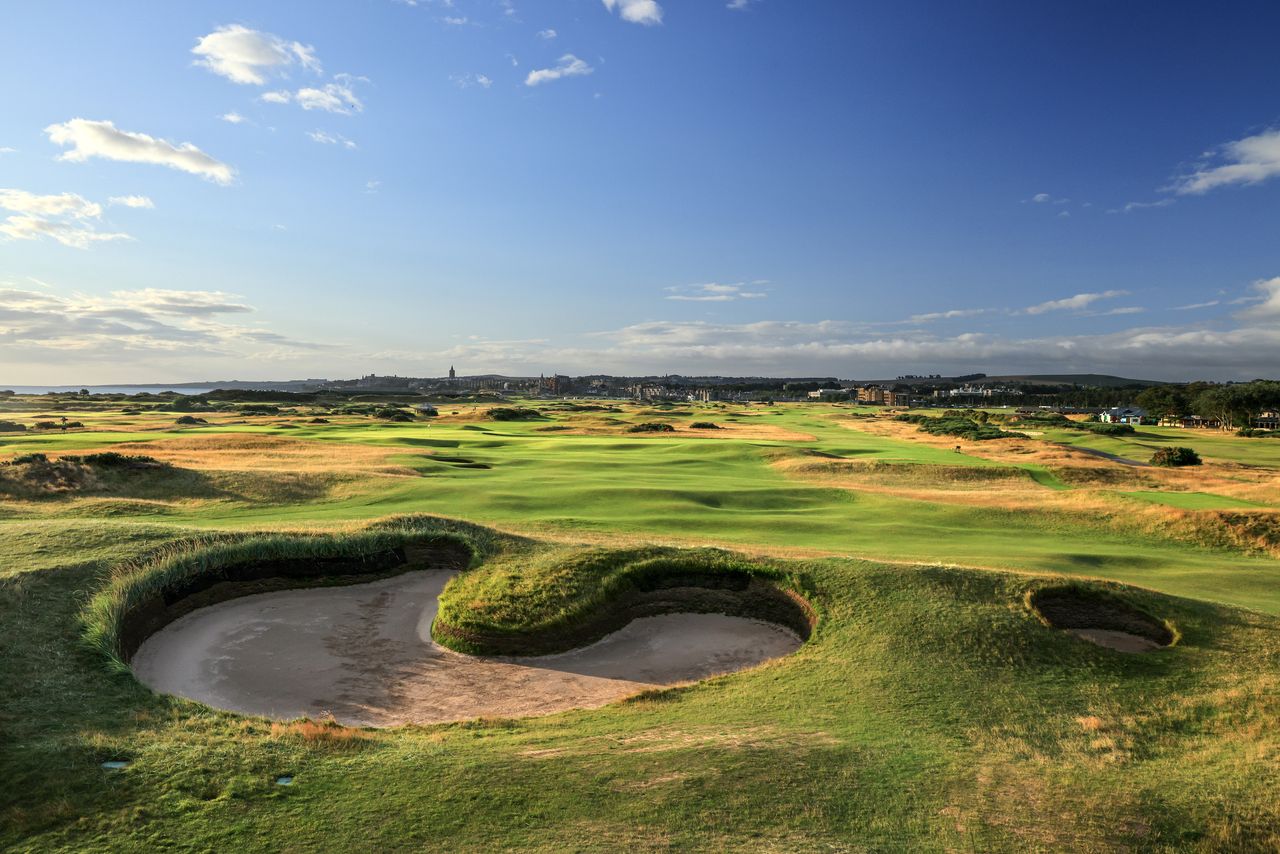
(1119, 641)
(364, 655)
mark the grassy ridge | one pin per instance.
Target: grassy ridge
(563, 598)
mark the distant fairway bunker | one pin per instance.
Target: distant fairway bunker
(1101, 618)
(349, 636)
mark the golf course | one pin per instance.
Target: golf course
(650, 626)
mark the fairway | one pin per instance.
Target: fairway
(926, 673)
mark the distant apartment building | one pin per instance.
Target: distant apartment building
(877, 396)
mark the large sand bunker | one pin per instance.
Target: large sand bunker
(364, 655)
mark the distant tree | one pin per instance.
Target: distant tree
(1163, 400)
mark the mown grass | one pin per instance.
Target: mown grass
(930, 710)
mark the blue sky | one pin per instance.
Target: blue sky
(211, 191)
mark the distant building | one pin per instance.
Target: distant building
(453, 375)
(1123, 415)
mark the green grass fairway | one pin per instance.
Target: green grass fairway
(930, 710)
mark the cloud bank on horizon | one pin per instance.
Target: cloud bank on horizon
(572, 174)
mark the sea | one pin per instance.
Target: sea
(102, 389)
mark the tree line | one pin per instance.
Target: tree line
(1235, 405)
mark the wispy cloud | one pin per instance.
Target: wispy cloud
(1250, 160)
(646, 12)
(249, 56)
(714, 292)
(326, 138)
(568, 66)
(335, 97)
(1073, 303)
(469, 79)
(233, 118)
(133, 327)
(1138, 206)
(953, 314)
(67, 218)
(547, 34)
(1196, 305)
(132, 202)
(89, 139)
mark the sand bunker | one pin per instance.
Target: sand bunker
(1101, 619)
(364, 655)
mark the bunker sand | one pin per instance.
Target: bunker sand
(364, 656)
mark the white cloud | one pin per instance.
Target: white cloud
(646, 12)
(466, 81)
(132, 201)
(1047, 199)
(335, 97)
(738, 5)
(90, 139)
(248, 56)
(953, 314)
(1196, 305)
(372, 186)
(455, 21)
(7, 150)
(713, 292)
(132, 328)
(1268, 308)
(279, 96)
(1073, 303)
(326, 138)
(233, 118)
(1137, 206)
(67, 218)
(1245, 161)
(568, 66)
(547, 34)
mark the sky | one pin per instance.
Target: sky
(239, 190)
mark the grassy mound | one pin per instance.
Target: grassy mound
(651, 427)
(514, 413)
(37, 476)
(960, 426)
(561, 599)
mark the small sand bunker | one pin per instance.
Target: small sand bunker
(1101, 619)
(364, 655)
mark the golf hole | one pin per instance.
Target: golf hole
(1100, 618)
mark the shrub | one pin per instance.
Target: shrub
(391, 413)
(952, 424)
(319, 421)
(260, 409)
(1247, 432)
(704, 425)
(12, 427)
(510, 413)
(190, 419)
(651, 427)
(46, 425)
(1175, 456)
(28, 459)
